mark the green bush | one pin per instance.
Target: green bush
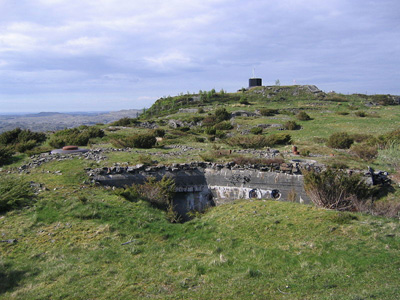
(25, 146)
(144, 140)
(222, 115)
(21, 140)
(225, 125)
(243, 100)
(124, 122)
(256, 130)
(5, 155)
(291, 125)
(18, 135)
(260, 141)
(15, 193)
(336, 189)
(159, 132)
(199, 139)
(75, 136)
(267, 112)
(303, 116)
(340, 140)
(279, 139)
(159, 193)
(210, 130)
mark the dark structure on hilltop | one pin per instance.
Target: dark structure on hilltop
(253, 82)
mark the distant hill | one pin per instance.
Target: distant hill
(49, 121)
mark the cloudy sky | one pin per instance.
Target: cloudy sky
(97, 55)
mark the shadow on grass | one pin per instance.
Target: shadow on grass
(10, 279)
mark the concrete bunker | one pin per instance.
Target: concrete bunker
(201, 185)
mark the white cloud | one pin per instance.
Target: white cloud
(109, 46)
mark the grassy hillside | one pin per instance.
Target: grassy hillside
(108, 248)
(75, 240)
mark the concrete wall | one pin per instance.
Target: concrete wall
(201, 185)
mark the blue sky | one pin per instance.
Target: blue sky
(96, 55)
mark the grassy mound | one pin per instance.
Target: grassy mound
(94, 245)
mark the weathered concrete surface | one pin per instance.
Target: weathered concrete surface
(227, 185)
(199, 185)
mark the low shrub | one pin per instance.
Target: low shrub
(159, 132)
(268, 112)
(291, 125)
(214, 156)
(75, 136)
(260, 141)
(364, 151)
(145, 159)
(360, 114)
(184, 128)
(220, 134)
(124, 122)
(21, 140)
(199, 139)
(226, 125)
(15, 193)
(144, 140)
(279, 139)
(303, 116)
(339, 165)
(210, 130)
(159, 193)
(340, 140)
(25, 146)
(389, 138)
(18, 135)
(361, 137)
(5, 155)
(389, 209)
(221, 114)
(336, 189)
(243, 100)
(256, 130)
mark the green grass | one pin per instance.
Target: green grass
(72, 240)
(265, 250)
